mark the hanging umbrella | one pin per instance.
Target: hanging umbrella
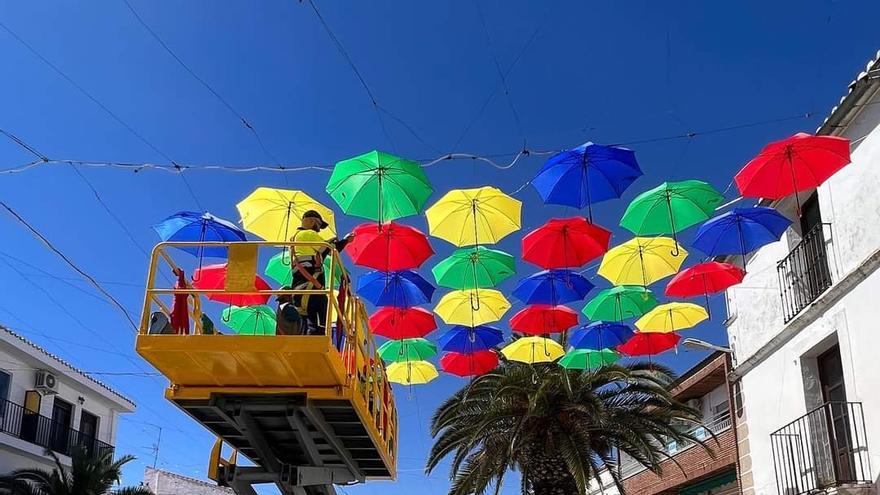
(278, 269)
(400, 289)
(466, 217)
(192, 226)
(552, 287)
(395, 351)
(180, 305)
(275, 214)
(619, 303)
(470, 339)
(542, 319)
(648, 344)
(741, 231)
(586, 175)
(402, 323)
(531, 350)
(411, 372)
(379, 186)
(474, 267)
(670, 208)
(388, 247)
(599, 335)
(213, 277)
(796, 164)
(704, 279)
(584, 359)
(642, 261)
(565, 243)
(473, 364)
(472, 307)
(250, 320)
(671, 317)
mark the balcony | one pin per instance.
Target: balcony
(804, 274)
(825, 448)
(39, 430)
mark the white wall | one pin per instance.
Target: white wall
(165, 483)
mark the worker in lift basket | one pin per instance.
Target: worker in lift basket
(308, 272)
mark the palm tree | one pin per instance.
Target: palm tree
(557, 427)
(88, 475)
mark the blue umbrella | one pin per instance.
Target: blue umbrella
(400, 289)
(192, 226)
(740, 231)
(600, 335)
(468, 340)
(552, 287)
(585, 175)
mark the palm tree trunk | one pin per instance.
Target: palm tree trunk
(546, 472)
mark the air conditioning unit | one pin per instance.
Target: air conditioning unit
(47, 383)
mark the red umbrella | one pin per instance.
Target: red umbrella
(541, 319)
(402, 323)
(704, 279)
(565, 243)
(389, 247)
(786, 167)
(646, 344)
(478, 363)
(213, 277)
(180, 306)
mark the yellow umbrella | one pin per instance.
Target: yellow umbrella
(411, 372)
(466, 217)
(670, 317)
(533, 350)
(642, 261)
(472, 307)
(274, 214)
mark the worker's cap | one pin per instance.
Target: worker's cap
(315, 214)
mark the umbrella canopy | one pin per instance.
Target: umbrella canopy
(278, 269)
(586, 175)
(671, 317)
(542, 319)
(395, 351)
(472, 307)
(275, 214)
(250, 320)
(531, 350)
(642, 261)
(473, 364)
(466, 217)
(599, 335)
(648, 344)
(388, 247)
(379, 186)
(402, 323)
(741, 231)
(474, 267)
(799, 163)
(704, 278)
(192, 226)
(584, 359)
(411, 372)
(619, 303)
(400, 289)
(470, 339)
(213, 277)
(552, 287)
(565, 243)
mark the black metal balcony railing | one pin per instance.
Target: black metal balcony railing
(804, 273)
(825, 448)
(40, 430)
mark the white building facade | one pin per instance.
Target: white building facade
(47, 404)
(803, 327)
(162, 482)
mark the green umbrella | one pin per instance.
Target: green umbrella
(395, 351)
(619, 303)
(379, 186)
(278, 269)
(477, 267)
(585, 359)
(671, 207)
(250, 320)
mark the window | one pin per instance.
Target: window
(5, 380)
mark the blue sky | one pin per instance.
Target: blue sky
(605, 72)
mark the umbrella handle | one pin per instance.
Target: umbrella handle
(477, 307)
(224, 318)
